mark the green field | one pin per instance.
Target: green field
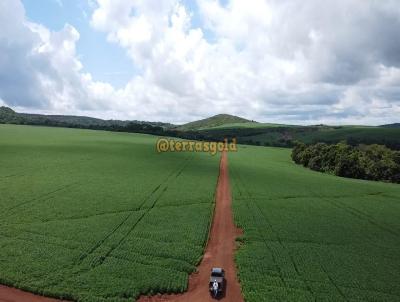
(100, 216)
(310, 236)
(358, 133)
(285, 135)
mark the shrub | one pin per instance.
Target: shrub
(373, 162)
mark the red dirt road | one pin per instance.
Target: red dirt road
(219, 252)
(9, 294)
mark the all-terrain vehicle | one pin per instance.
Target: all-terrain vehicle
(217, 281)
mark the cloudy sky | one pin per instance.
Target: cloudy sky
(298, 62)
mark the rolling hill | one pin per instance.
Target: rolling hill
(215, 121)
(9, 116)
(394, 125)
(221, 126)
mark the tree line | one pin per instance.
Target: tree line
(371, 162)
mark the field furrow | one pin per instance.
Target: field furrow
(310, 236)
(137, 222)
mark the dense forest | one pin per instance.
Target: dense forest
(371, 162)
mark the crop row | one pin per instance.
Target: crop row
(310, 236)
(94, 216)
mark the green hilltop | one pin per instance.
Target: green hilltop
(214, 121)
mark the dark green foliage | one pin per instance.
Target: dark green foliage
(9, 116)
(394, 125)
(373, 162)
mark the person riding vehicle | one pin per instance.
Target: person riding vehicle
(217, 281)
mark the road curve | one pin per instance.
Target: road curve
(219, 251)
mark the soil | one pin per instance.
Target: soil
(10, 294)
(219, 251)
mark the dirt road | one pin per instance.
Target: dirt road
(9, 294)
(219, 252)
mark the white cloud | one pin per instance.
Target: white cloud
(39, 68)
(278, 61)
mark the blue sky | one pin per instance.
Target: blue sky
(105, 61)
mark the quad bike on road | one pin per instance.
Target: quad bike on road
(217, 282)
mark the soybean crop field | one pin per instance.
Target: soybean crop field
(100, 216)
(310, 236)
